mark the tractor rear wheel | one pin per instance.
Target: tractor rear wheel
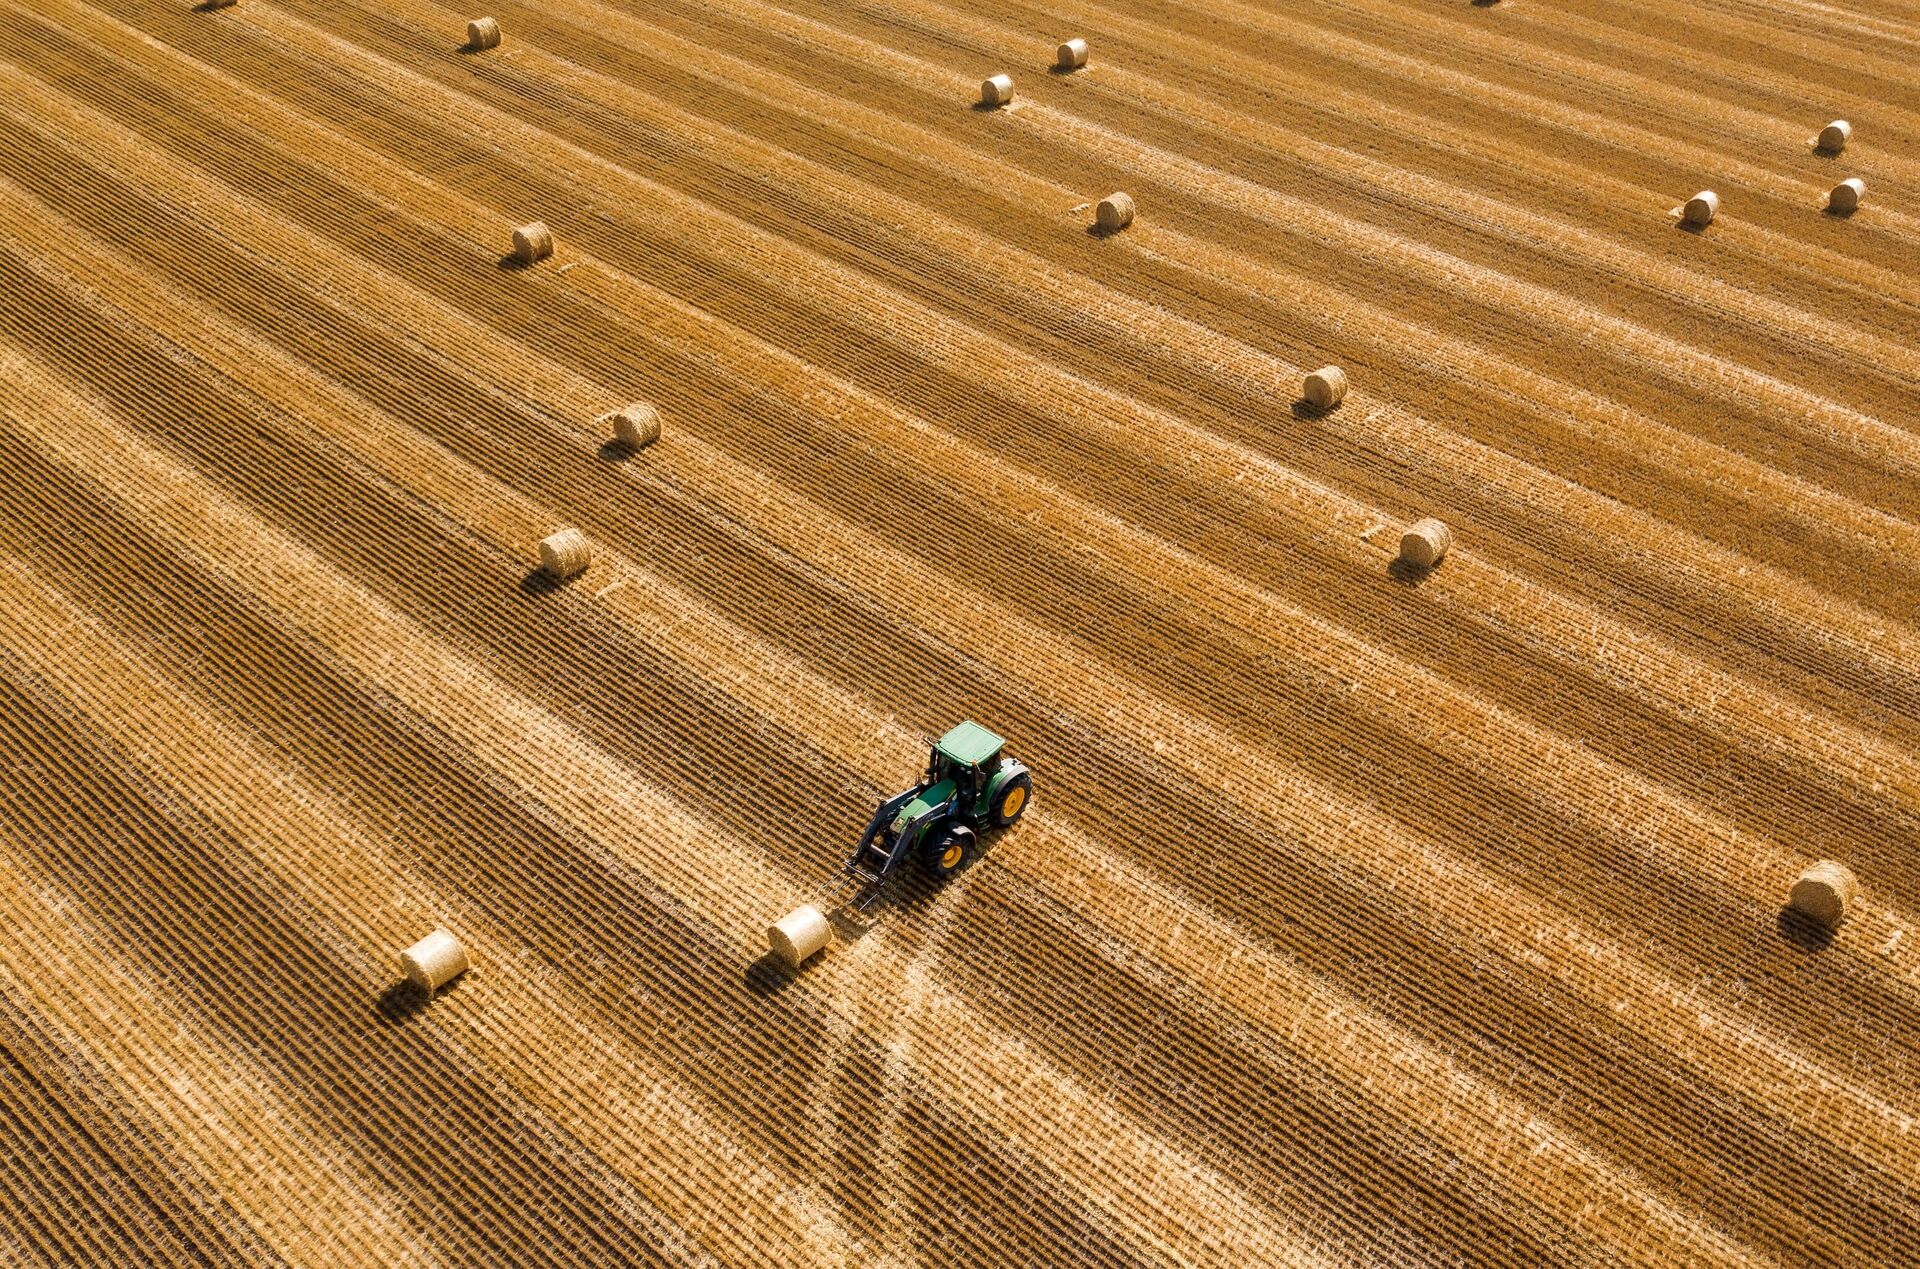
(1010, 803)
(947, 849)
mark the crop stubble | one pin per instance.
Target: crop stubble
(1528, 818)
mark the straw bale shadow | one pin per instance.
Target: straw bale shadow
(1802, 931)
(539, 581)
(511, 263)
(1305, 409)
(1686, 226)
(1839, 213)
(1408, 573)
(405, 1001)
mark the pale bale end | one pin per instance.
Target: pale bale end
(565, 553)
(1325, 387)
(798, 935)
(1834, 137)
(434, 961)
(636, 426)
(996, 90)
(1846, 196)
(1072, 55)
(1700, 209)
(1426, 543)
(483, 33)
(1824, 892)
(532, 242)
(1114, 213)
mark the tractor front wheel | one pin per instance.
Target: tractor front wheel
(947, 849)
(1010, 803)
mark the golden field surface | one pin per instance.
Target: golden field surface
(1363, 916)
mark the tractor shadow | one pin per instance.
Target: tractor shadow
(404, 1002)
(1802, 931)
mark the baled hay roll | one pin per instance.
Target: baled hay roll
(1824, 892)
(1325, 387)
(996, 90)
(434, 961)
(1700, 209)
(532, 242)
(635, 426)
(1847, 194)
(798, 935)
(1425, 543)
(483, 33)
(1072, 55)
(1114, 213)
(1834, 137)
(565, 553)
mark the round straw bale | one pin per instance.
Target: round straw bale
(483, 33)
(565, 553)
(1700, 208)
(1847, 194)
(1114, 213)
(798, 935)
(636, 425)
(1325, 387)
(1824, 892)
(1425, 543)
(532, 242)
(1834, 137)
(1072, 55)
(996, 90)
(434, 961)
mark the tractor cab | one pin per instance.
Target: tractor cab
(969, 755)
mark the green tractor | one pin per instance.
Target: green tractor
(969, 787)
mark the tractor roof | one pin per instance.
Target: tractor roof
(969, 744)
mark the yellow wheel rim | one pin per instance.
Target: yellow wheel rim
(950, 857)
(1016, 798)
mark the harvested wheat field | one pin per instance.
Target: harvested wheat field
(524, 494)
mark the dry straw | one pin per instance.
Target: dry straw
(1824, 892)
(483, 33)
(798, 935)
(434, 961)
(1425, 543)
(532, 242)
(565, 553)
(1834, 137)
(1114, 213)
(1846, 196)
(1325, 387)
(996, 90)
(1700, 209)
(1072, 55)
(636, 425)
